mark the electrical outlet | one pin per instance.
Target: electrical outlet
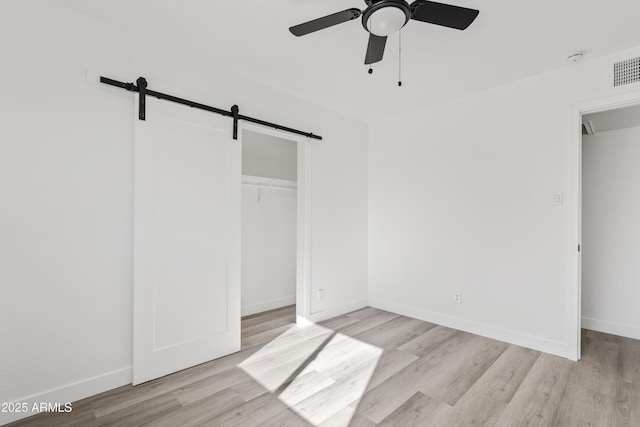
(320, 294)
(457, 298)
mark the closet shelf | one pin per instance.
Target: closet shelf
(269, 183)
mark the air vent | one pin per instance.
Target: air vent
(626, 72)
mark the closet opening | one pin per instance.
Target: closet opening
(609, 211)
(269, 224)
(602, 206)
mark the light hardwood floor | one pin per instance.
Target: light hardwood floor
(373, 367)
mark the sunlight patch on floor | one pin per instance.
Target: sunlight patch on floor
(322, 378)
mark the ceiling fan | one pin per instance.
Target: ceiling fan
(384, 17)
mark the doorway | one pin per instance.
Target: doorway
(610, 230)
(275, 248)
(591, 184)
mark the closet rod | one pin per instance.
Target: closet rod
(269, 183)
(141, 88)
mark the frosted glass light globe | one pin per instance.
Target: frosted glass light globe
(386, 21)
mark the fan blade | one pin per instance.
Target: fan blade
(375, 49)
(325, 22)
(446, 15)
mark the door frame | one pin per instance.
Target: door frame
(303, 216)
(575, 203)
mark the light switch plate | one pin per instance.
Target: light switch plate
(556, 198)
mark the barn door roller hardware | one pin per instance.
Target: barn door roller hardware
(143, 91)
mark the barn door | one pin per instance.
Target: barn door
(186, 240)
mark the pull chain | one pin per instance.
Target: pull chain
(369, 47)
(400, 57)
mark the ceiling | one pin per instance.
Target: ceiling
(509, 40)
(623, 118)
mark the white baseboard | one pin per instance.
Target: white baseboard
(71, 392)
(501, 334)
(319, 316)
(250, 309)
(614, 328)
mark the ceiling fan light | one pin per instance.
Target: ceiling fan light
(386, 21)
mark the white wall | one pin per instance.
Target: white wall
(269, 156)
(66, 183)
(611, 232)
(461, 201)
(268, 248)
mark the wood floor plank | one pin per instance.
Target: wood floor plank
(292, 338)
(367, 323)
(288, 312)
(276, 369)
(339, 322)
(479, 410)
(142, 412)
(504, 377)
(419, 410)
(197, 390)
(347, 418)
(303, 387)
(350, 363)
(381, 401)
(395, 332)
(343, 358)
(329, 401)
(537, 400)
(453, 379)
(254, 413)
(590, 393)
(367, 312)
(486, 400)
(427, 341)
(276, 353)
(390, 363)
(627, 411)
(201, 412)
(249, 389)
(629, 360)
(276, 322)
(265, 337)
(360, 367)
(287, 418)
